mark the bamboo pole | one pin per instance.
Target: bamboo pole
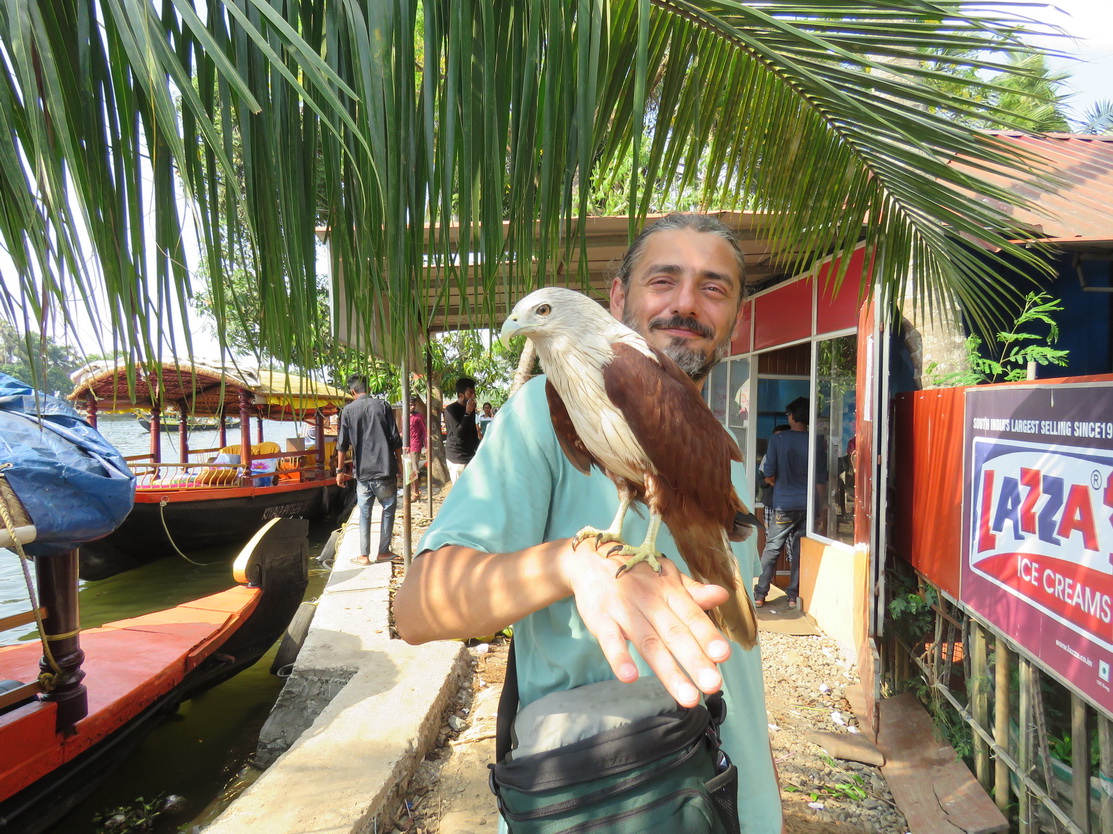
(1001, 711)
(1080, 728)
(1026, 815)
(1105, 748)
(1039, 716)
(979, 668)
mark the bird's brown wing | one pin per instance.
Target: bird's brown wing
(687, 446)
(570, 442)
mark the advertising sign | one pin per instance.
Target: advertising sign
(1038, 525)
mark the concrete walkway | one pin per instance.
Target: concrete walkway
(356, 716)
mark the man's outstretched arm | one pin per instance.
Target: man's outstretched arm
(458, 592)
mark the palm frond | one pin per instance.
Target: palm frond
(448, 147)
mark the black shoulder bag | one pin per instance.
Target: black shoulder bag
(662, 773)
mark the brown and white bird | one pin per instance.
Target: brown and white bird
(622, 405)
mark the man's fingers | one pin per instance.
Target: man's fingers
(618, 656)
(705, 596)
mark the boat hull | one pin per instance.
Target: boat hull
(194, 519)
(138, 672)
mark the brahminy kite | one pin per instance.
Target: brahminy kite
(625, 407)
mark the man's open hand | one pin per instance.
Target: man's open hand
(663, 616)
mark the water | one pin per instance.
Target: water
(201, 752)
(123, 432)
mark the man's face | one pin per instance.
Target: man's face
(683, 297)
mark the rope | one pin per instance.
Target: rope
(48, 680)
(162, 517)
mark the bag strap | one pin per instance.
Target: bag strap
(508, 707)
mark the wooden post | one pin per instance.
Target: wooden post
(319, 443)
(1025, 758)
(156, 433)
(429, 425)
(979, 668)
(56, 577)
(91, 401)
(407, 504)
(1080, 728)
(259, 433)
(223, 430)
(245, 439)
(183, 433)
(1001, 710)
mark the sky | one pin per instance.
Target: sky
(1089, 23)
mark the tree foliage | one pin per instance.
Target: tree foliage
(41, 362)
(1006, 359)
(378, 120)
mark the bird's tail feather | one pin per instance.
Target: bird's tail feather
(707, 553)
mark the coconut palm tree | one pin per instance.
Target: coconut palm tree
(137, 125)
(1098, 119)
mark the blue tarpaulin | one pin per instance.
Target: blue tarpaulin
(73, 483)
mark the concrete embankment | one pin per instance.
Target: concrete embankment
(356, 716)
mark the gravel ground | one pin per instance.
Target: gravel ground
(805, 682)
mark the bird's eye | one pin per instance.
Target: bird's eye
(544, 310)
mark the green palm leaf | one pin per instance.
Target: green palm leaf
(448, 148)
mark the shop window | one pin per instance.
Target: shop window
(728, 396)
(833, 423)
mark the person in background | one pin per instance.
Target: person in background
(786, 468)
(368, 430)
(765, 489)
(484, 421)
(416, 444)
(462, 434)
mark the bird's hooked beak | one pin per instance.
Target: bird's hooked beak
(511, 328)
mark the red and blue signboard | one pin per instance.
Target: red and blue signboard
(1038, 525)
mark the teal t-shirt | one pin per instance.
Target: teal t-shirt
(520, 490)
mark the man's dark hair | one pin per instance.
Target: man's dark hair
(357, 383)
(463, 384)
(704, 223)
(798, 408)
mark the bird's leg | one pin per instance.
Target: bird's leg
(612, 533)
(645, 552)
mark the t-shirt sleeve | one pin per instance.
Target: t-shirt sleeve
(394, 439)
(343, 435)
(501, 501)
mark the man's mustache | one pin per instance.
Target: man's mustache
(682, 323)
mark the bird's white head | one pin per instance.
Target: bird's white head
(554, 312)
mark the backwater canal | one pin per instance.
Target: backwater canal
(202, 753)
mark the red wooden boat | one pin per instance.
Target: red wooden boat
(218, 496)
(113, 684)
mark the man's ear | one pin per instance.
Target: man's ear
(618, 298)
(738, 323)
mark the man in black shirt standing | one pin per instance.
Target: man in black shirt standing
(367, 427)
(459, 422)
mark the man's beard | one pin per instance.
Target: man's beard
(694, 363)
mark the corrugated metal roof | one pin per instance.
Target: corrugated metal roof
(1078, 209)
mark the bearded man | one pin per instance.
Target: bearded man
(500, 552)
